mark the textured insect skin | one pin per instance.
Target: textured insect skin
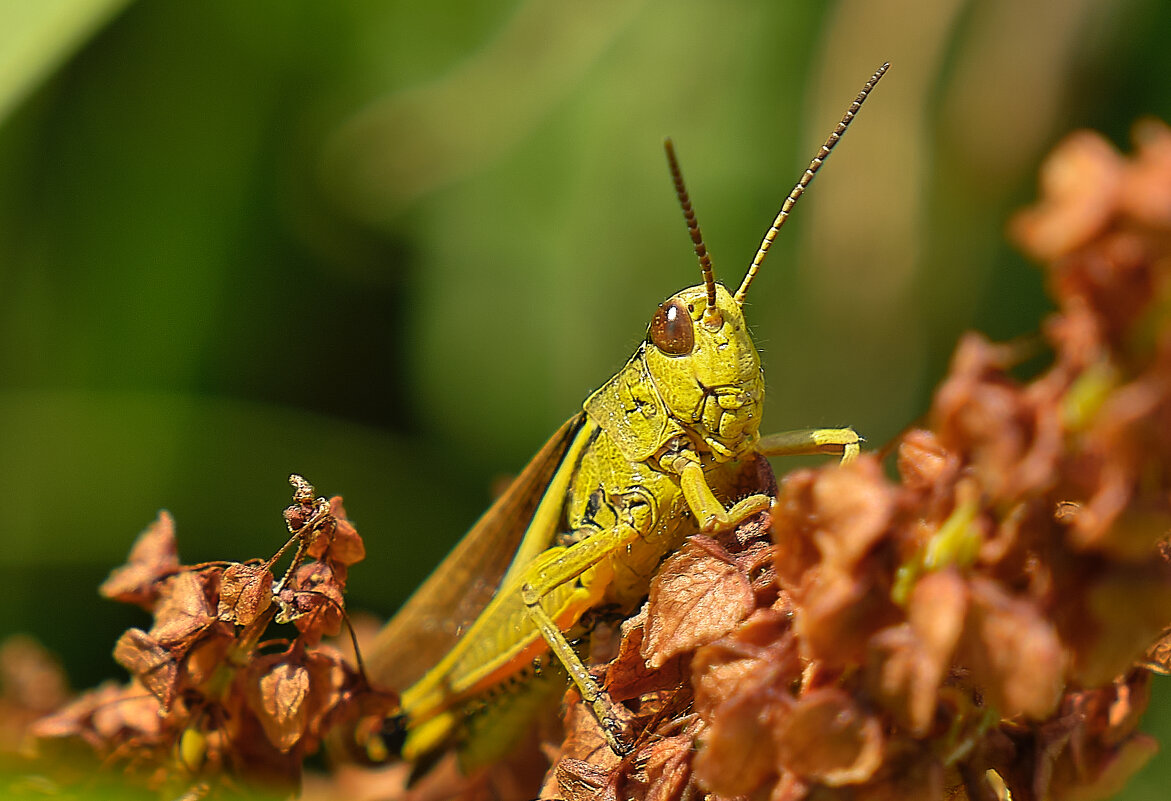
(658, 415)
(654, 456)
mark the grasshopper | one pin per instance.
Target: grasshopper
(651, 458)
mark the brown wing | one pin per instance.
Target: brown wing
(455, 593)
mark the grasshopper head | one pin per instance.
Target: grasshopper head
(706, 369)
(698, 351)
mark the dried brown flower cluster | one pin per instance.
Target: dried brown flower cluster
(211, 704)
(985, 625)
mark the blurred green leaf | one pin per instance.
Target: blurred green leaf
(36, 37)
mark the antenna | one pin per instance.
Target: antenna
(799, 189)
(705, 259)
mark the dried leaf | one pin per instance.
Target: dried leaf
(924, 463)
(763, 648)
(338, 542)
(698, 596)
(854, 506)
(915, 656)
(149, 662)
(1014, 655)
(184, 609)
(30, 676)
(129, 714)
(153, 556)
(628, 675)
(579, 780)
(743, 683)
(245, 593)
(839, 613)
(668, 767)
(278, 698)
(206, 656)
(1158, 657)
(70, 718)
(738, 753)
(315, 600)
(847, 747)
(328, 676)
(1080, 183)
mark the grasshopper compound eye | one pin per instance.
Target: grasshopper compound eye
(671, 329)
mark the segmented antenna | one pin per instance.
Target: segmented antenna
(705, 259)
(799, 189)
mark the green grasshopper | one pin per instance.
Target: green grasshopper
(652, 458)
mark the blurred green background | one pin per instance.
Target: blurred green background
(392, 245)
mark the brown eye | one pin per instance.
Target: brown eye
(671, 330)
